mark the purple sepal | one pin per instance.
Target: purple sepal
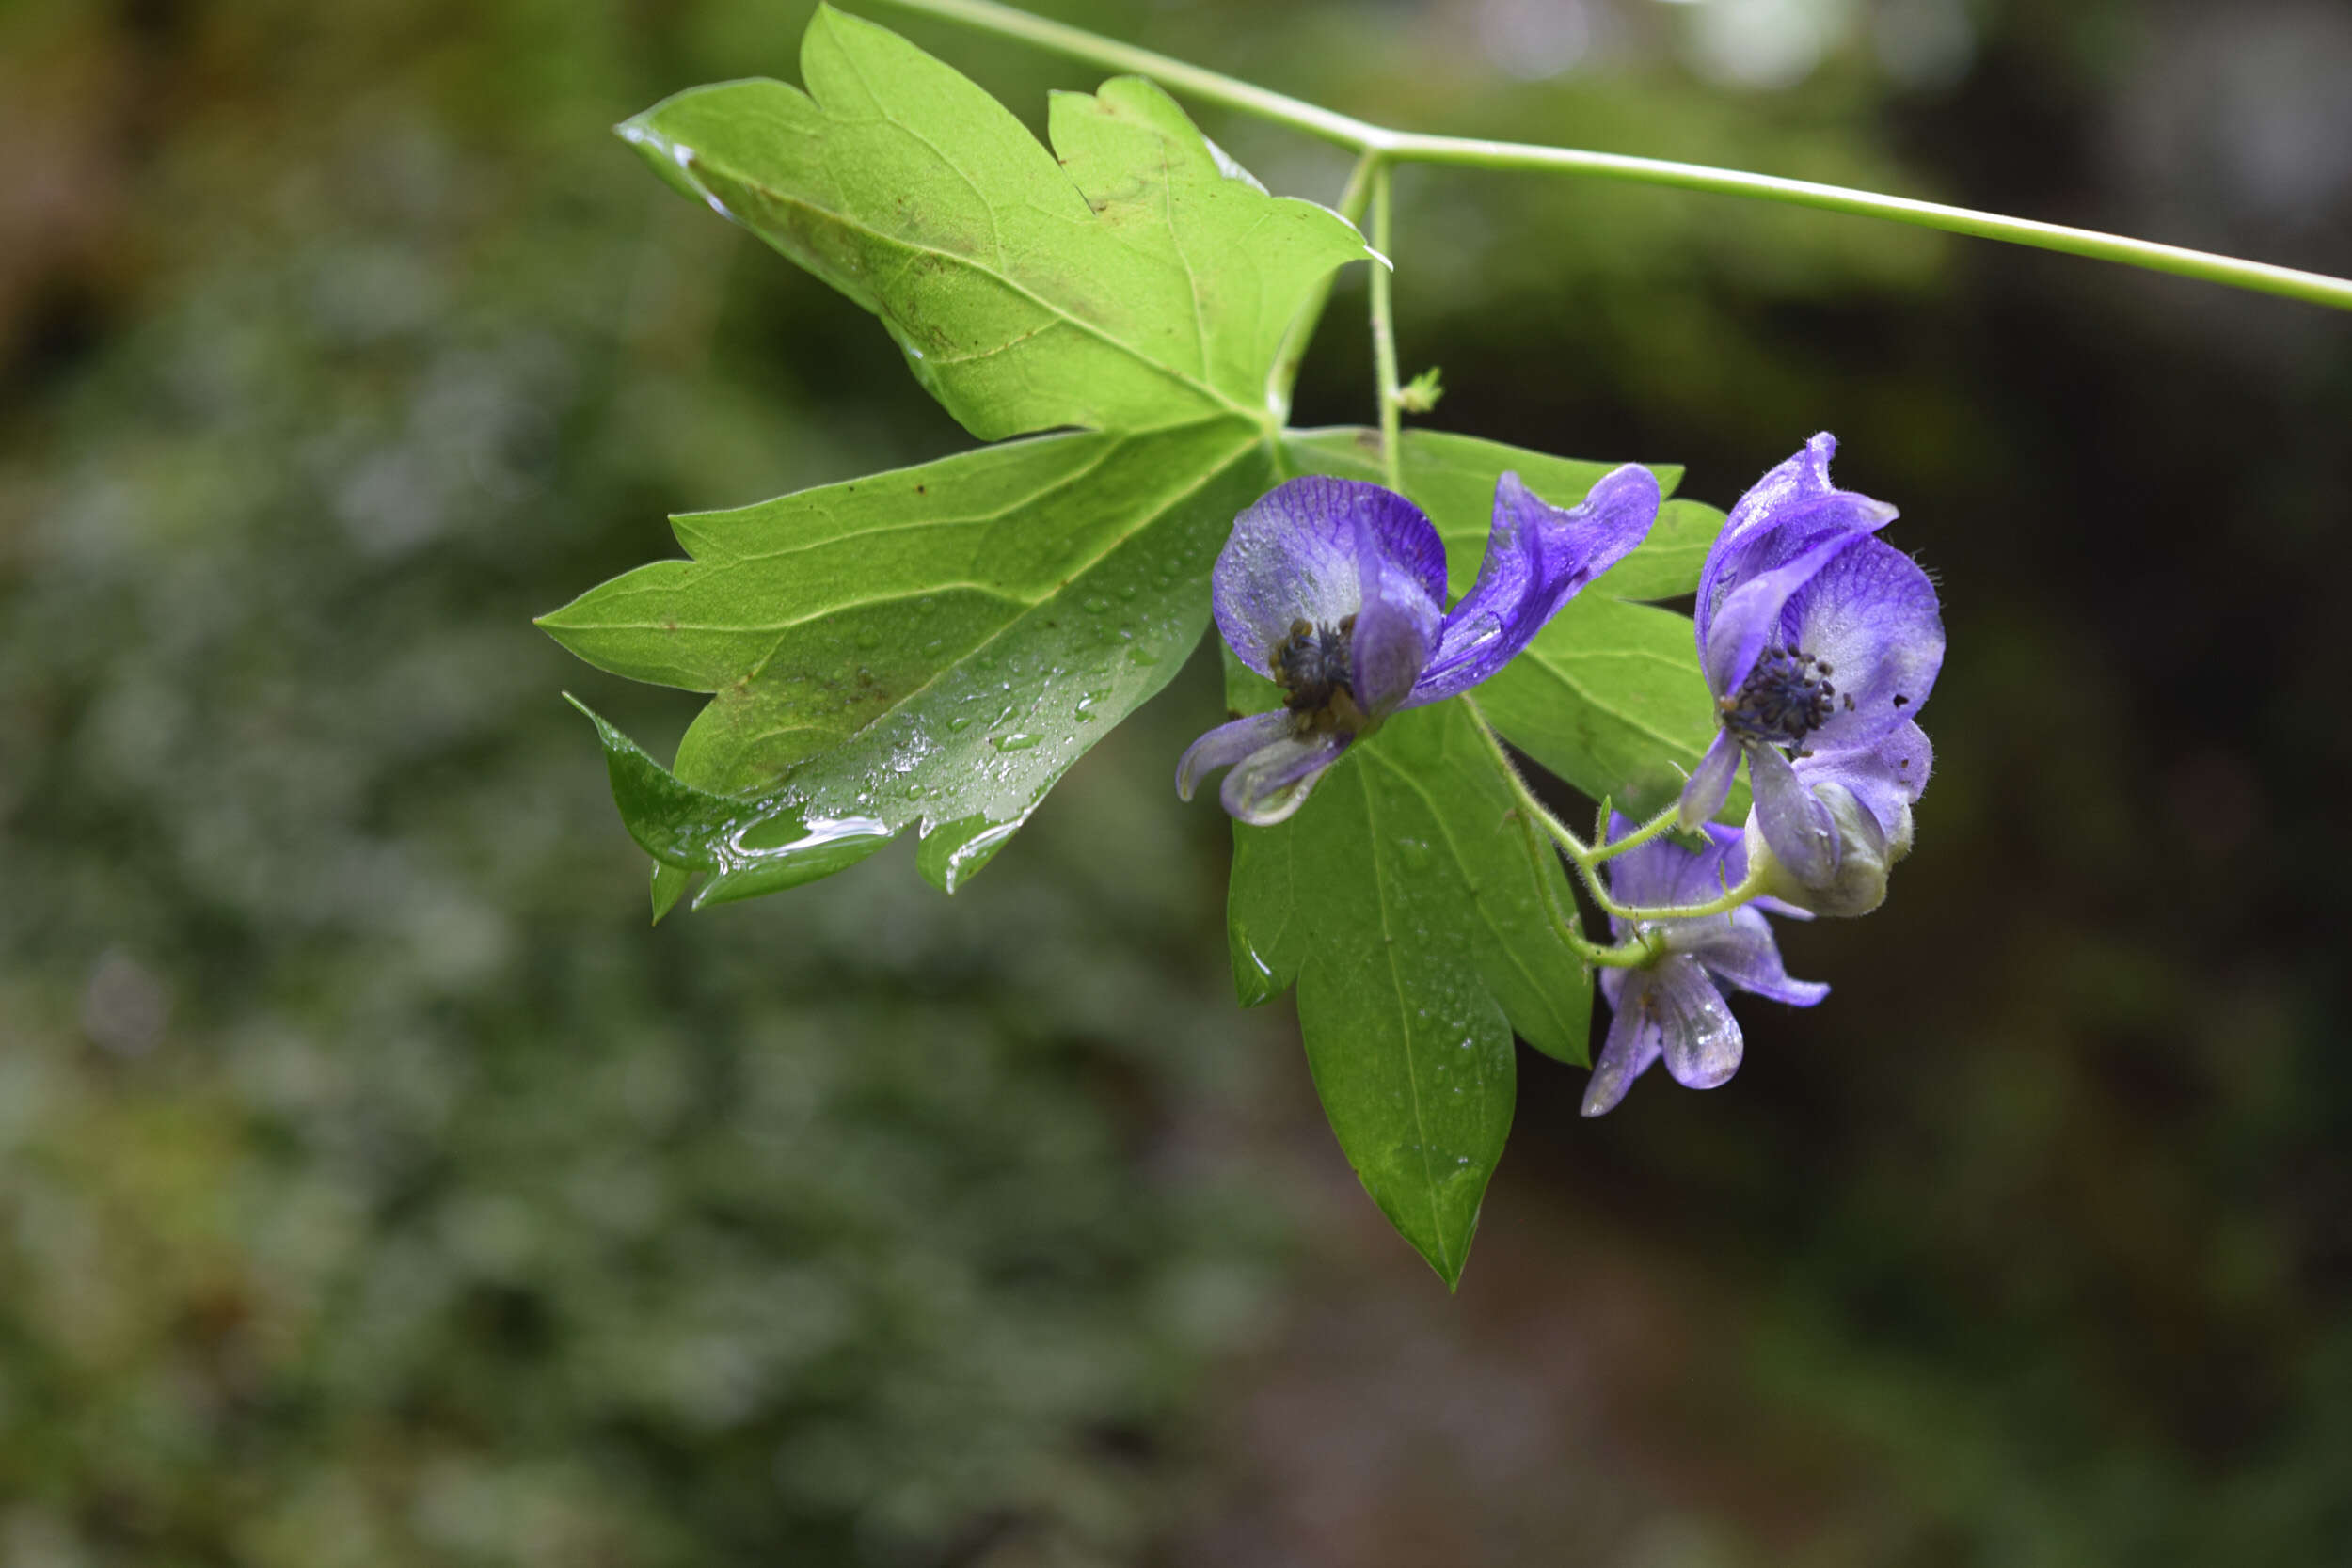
(1885, 777)
(1226, 745)
(1738, 948)
(1798, 827)
(1748, 620)
(1707, 790)
(1795, 497)
(1700, 1038)
(1397, 623)
(1870, 616)
(1298, 553)
(1635, 1041)
(1539, 557)
(1266, 787)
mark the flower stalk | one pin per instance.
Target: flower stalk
(1538, 823)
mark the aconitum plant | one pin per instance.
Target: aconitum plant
(1411, 621)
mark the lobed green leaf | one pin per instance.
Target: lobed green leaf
(1133, 276)
(1402, 902)
(933, 647)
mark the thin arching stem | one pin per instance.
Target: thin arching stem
(1383, 335)
(1587, 858)
(1359, 135)
(1605, 847)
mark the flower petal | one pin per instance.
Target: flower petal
(1803, 835)
(1634, 1042)
(1797, 497)
(1885, 777)
(1738, 948)
(1293, 556)
(1710, 787)
(1270, 783)
(1226, 745)
(1396, 628)
(1870, 614)
(1539, 557)
(1749, 619)
(1700, 1038)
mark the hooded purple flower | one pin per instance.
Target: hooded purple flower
(1332, 588)
(1674, 1009)
(1816, 637)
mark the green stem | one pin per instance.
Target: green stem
(1534, 809)
(1362, 136)
(1285, 377)
(1749, 889)
(1384, 334)
(1587, 858)
(1535, 823)
(1631, 955)
(1606, 849)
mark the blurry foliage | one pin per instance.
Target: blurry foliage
(375, 1188)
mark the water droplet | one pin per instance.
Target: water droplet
(961, 722)
(869, 638)
(1014, 742)
(1127, 589)
(1096, 604)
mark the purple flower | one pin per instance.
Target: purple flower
(1816, 637)
(1332, 588)
(1674, 1009)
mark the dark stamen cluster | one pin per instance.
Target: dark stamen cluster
(1786, 697)
(1313, 665)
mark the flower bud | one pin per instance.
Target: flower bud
(1865, 852)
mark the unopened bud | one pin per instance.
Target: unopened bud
(1865, 852)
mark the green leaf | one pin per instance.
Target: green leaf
(1402, 902)
(1608, 696)
(1133, 276)
(931, 647)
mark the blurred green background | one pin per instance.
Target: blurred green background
(377, 1188)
